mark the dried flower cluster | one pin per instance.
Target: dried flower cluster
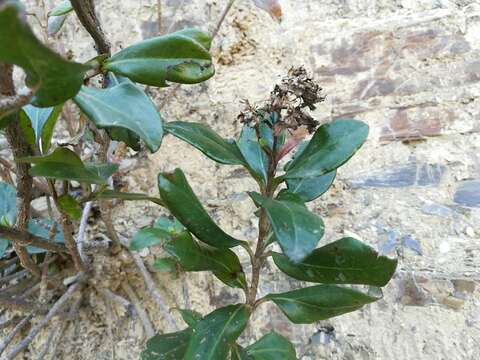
(288, 103)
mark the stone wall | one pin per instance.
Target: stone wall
(411, 70)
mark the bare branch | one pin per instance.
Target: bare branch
(142, 314)
(8, 339)
(85, 10)
(55, 309)
(24, 238)
(222, 18)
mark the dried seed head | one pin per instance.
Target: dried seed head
(289, 103)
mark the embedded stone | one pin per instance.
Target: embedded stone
(468, 193)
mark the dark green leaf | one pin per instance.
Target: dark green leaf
(224, 263)
(180, 199)
(271, 347)
(345, 261)
(199, 36)
(296, 229)
(178, 57)
(321, 302)
(43, 121)
(44, 228)
(70, 206)
(214, 335)
(64, 164)
(8, 204)
(311, 188)
(61, 9)
(6, 120)
(203, 138)
(253, 153)
(332, 145)
(123, 105)
(172, 226)
(127, 136)
(167, 346)
(190, 317)
(112, 194)
(148, 237)
(57, 79)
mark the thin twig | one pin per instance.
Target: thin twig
(222, 18)
(10, 104)
(159, 17)
(24, 238)
(55, 309)
(142, 314)
(8, 339)
(109, 318)
(151, 285)
(82, 229)
(20, 148)
(117, 299)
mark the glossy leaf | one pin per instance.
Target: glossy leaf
(214, 335)
(166, 265)
(296, 229)
(70, 206)
(311, 188)
(8, 204)
(190, 317)
(178, 57)
(61, 9)
(321, 302)
(332, 145)
(224, 263)
(148, 237)
(180, 199)
(43, 121)
(64, 164)
(271, 347)
(112, 194)
(167, 346)
(203, 138)
(345, 261)
(126, 106)
(57, 79)
(253, 153)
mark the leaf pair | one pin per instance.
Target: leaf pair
(38, 125)
(210, 338)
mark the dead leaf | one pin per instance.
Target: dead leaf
(273, 7)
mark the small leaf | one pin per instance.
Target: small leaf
(112, 194)
(321, 302)
(190, 317)
(203, 138)
(178, 57)
(168, 265)
(131, 139)
(64, 164)
(167, 346)
(126, 106)
(57, 79)
(296, 229)
(345, 261)
(224, 264)
(311, 188)
(332, 145)
(55, 23)
(43, 121)
(70, 206)
(61, 9)
(271, 347)
(8, 204)
(148, 237)
(172, 226)
(214, 335)
(180, 199)
(253, 153)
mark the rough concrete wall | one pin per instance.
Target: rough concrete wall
(411, 70)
